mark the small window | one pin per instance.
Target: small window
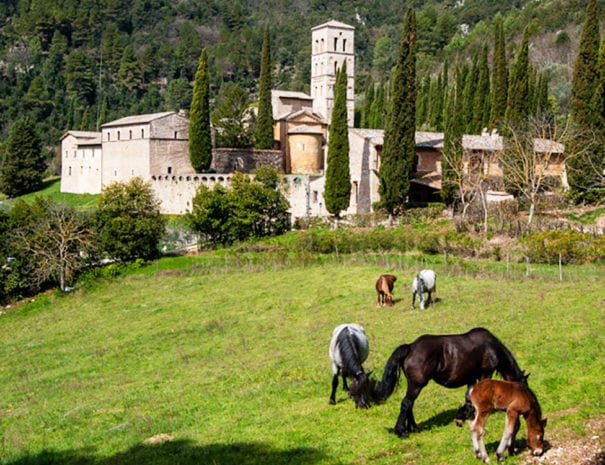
(176, 134)
(118, 135)
(335, 44)
(130, 134)
(335, 67)
(108, 136)
(69, 171)
(315, 196)
(170, 170)
(142, 133)
(344, 45)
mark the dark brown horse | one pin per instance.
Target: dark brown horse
(517, 399)
(452, 360)
(384, 289)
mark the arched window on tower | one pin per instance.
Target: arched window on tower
(344, 45)
(335, 44)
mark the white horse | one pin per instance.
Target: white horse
(425, 281)
(349, 348)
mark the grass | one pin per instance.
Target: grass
(52, 188)
(230, 361)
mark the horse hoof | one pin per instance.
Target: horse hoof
(332, 402)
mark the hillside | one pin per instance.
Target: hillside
(70, 64)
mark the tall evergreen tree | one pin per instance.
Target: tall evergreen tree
(499, 79)
(200, 141)
(585, 69)
(399, 146)
(338, 178)
(376, 120)
(517, 108)
(481, 98)
(451, 162)
(23, 165)
(263, 135)
(585, 171)
(367, 105)
(468, 95)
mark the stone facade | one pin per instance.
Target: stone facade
(155, 147)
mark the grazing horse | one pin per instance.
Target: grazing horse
(349, 348)
(384, 289)
(425, 281)
(453, 361)
(517, 399)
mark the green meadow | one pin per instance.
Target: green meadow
(205, 360)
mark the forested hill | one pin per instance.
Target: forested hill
(69, 64)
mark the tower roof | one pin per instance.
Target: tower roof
(333, 23)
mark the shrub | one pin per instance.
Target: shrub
(571, 245)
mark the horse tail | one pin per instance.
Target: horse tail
(390, 377)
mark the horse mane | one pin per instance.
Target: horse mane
(535, 402)
(390, 377)
(510, 369)
(349, 352)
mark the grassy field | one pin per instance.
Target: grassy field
(52, 188)
(187, 362)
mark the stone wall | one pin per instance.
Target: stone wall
(226, 160)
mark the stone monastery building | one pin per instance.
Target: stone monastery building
(155, 147)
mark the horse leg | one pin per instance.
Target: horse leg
(477, 431)
(507, 436)
(429, 300)
(345, 386)
(413, 300)
(405, 422)
(334, 386)
(467, 411)
(511, 446)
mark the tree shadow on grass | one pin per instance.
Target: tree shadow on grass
(184, 453)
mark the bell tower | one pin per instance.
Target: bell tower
(332, 44)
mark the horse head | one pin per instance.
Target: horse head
(535, 437)
(360, 389)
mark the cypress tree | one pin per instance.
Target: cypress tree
(499, 79)
(338, 179)
(452, 145)
(517, 108)
(422, 102)
(585, 69)
(399, 146)
(367, 106)
(23, 162)
(468, 95)
(263, 135)
(377, 108)
(481, 98)
(200, 142)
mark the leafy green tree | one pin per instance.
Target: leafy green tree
(232, 116)
(23, 166)
(128, 221)
(399, 146)
(499, 79)
(250, 208)
(337, 192)
(200, 140)
(263, 135)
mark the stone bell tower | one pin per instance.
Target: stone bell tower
(333, 43)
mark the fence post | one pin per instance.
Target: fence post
(560, 268)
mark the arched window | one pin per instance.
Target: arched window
(344, 45)
(335, 44)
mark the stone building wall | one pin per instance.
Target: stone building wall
(226, 160)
